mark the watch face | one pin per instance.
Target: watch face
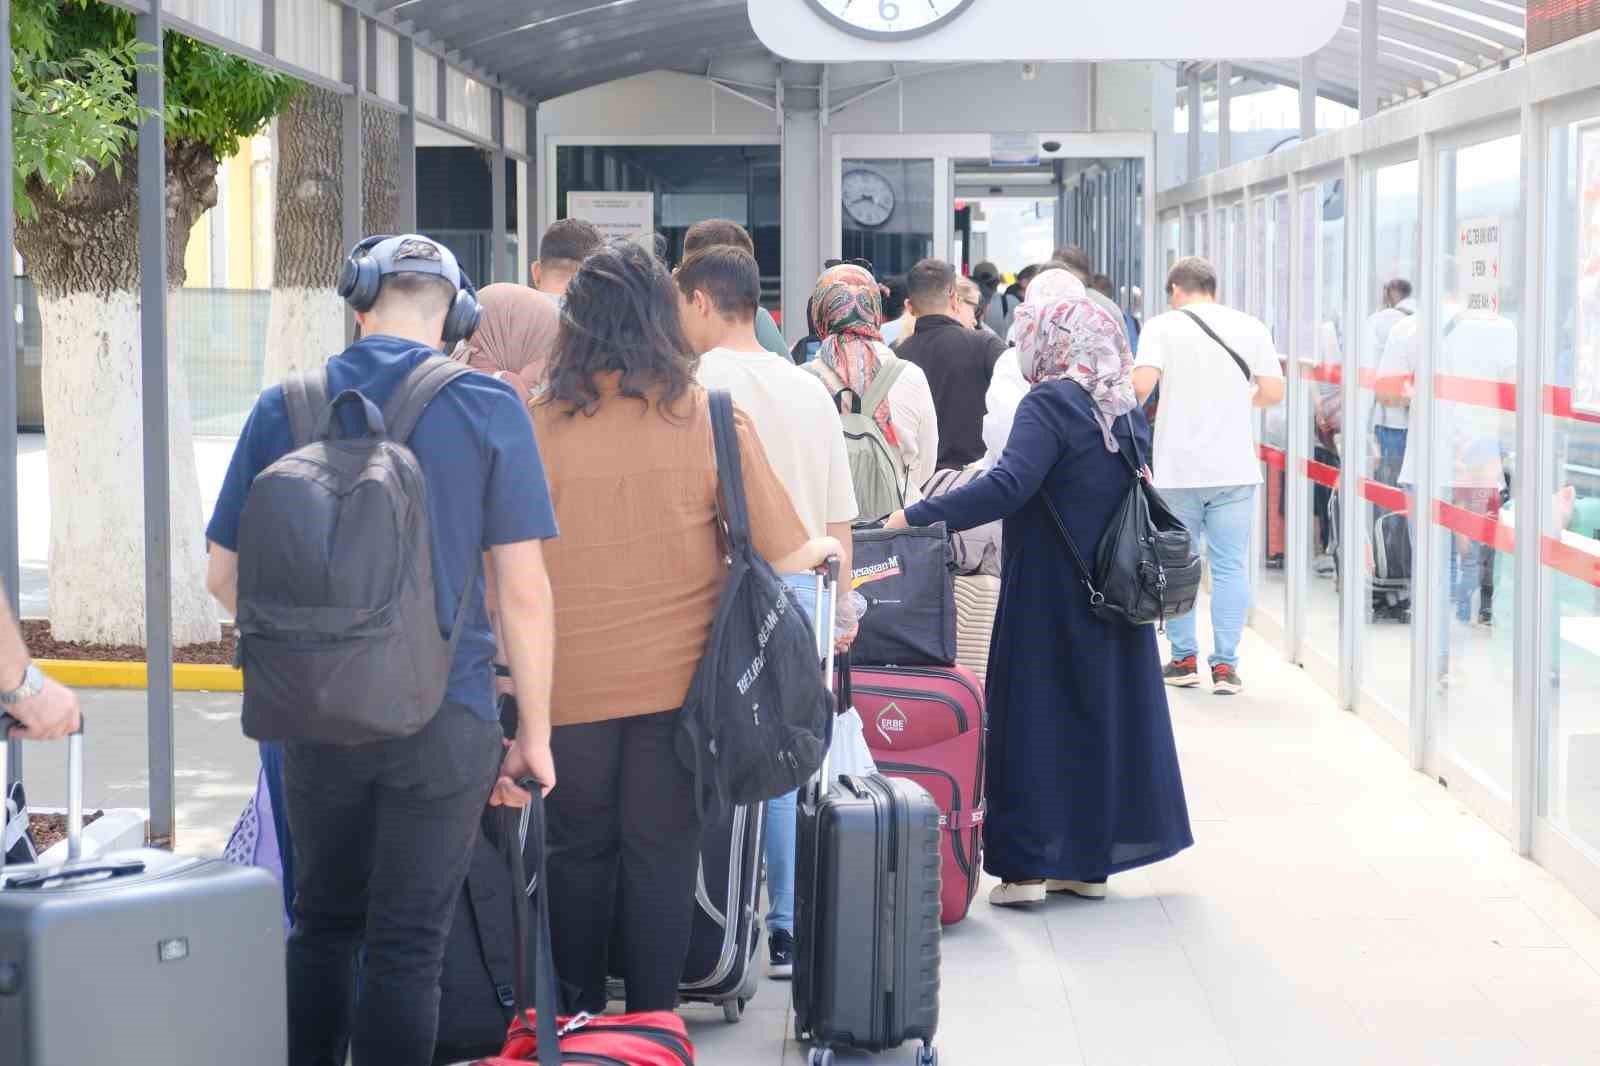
(868, 197)
(889, 19)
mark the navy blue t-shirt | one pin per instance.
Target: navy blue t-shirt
(486, 484)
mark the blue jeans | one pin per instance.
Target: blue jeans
(1391, 446)
(1219, 519)
(780, 812)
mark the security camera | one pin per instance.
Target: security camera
(1051, 146)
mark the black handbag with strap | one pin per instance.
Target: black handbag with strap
(1145, 569)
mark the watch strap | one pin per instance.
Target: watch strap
(32, 685)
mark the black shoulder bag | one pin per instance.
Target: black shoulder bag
(755, 722)
(1145, 569)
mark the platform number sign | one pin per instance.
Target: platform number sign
(1478, 260)
(890, 20)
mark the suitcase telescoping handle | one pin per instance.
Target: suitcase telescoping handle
(74, 789)
(827, 575)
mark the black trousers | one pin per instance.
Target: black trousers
(382, 837)
(623, 854)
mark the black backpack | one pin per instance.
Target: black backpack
(338, 634)
(755, 722)
(1145, 569)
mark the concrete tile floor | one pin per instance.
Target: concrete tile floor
(1336, 908)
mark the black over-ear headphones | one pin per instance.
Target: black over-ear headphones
(373, 259)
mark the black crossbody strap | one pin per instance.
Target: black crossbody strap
(1072, 546)
(730, 474)
(1244, 367)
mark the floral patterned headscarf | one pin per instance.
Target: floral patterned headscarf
(1080, 341)
(846, 309)
(1047, 287)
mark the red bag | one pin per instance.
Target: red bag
(926, 724)
(657, 1038)
(654, 1039)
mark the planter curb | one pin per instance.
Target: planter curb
(186, 677)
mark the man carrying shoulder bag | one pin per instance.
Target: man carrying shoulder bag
(1214, 365)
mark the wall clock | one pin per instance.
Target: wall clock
(868, 197)
(889, 20)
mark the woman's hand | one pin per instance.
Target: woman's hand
(896, 521)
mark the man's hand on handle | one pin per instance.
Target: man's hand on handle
(50, 715)
(523, 760)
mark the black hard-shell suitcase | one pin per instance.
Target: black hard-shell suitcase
(867, 903)
(138, 956)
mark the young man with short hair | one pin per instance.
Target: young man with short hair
(562, 250)
(382, 832)
(1205, 459)
(957, 359)
(724, 233)
(719, 288)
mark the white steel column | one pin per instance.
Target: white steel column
(1529, 489)
(1368, 59)
(1196, 123)
(1297, 500)
(1425, 595)
(1352, 602)
(1224, 115)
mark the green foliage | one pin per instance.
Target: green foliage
(75, 104)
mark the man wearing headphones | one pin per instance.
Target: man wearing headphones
(382, 832)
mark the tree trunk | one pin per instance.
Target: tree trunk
(82, 253)
(306, 324)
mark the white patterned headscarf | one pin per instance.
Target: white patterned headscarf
(1047, 287)
(1078, 340)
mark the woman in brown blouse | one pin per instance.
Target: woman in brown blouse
(625, 434)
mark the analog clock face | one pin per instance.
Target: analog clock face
(868, 197)
(889, 19)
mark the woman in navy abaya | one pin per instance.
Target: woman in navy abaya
(1083, 778)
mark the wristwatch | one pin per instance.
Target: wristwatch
(32, 685)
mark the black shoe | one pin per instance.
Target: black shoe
(1182, 673)
(780, 955)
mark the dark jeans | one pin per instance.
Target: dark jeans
(382, 837)
(623, 837)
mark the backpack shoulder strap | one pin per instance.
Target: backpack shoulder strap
(730, 473)
(888, 374)
(405, 407)
(306, 396)
(1244, 367)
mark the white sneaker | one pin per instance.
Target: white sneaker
(1016, 894)
(1082, 889)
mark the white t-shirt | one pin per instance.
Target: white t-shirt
(798, 427)
(1203, 426)
(1007, 387)
(1381, 326)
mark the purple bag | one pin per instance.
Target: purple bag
(254, 840)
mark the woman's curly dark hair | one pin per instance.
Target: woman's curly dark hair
(621, 314)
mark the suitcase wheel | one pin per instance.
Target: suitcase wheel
(733, 1010)
(927, 1055)
(821, 1056)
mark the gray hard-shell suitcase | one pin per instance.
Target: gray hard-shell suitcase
(138, 956)
(867, 904)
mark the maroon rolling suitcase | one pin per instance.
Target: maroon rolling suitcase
(926, 724)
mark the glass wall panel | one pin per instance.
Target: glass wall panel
(1319, 346)
(1569, 546)
(1478, 288)
(692, 183)
(888, 212)
(1378, 429)
(234, 20)
(425, 83)
(1272, 597)
(388, 83)
(1171, 250)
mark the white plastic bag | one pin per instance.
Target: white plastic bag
(850, 754)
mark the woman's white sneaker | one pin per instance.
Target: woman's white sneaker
(1082, 889)
(1016, 893)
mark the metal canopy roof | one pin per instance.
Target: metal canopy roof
(1422, 45)
(550, 47)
